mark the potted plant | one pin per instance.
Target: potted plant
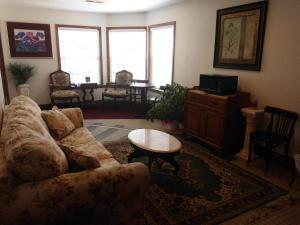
(21, 73)
(170, 108)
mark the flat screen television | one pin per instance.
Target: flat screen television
(218, 84)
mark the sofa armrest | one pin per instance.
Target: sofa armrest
(112, 195)
(75, 115)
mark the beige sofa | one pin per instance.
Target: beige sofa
(33, 191)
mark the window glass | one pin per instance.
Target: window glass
(127, 51)
(161, 54)
(80, 53)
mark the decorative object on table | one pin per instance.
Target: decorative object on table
(170, 108)
(207, 189)
(21, 73)
(120, 88)
(87, 79)
(239, 36)
(279, 132)
(296, 168)
(29, 39)
(61, 87)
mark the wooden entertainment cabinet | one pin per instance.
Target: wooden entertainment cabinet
(216, 120)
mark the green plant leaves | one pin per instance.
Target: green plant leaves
(20, 72)
(171, 105)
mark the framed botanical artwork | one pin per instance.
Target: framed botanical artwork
(240, 36)
(29, 39)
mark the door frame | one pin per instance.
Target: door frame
(3, 75)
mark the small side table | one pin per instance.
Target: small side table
(84, 87)
(253, 120)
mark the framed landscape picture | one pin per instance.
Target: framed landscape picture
(239, 36)
(29, 39)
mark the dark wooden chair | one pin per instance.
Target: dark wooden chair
(120, 89)
(61, 87)
(279, 132)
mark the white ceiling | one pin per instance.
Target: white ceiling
(109, 6)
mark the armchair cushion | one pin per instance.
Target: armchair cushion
(58, 124)
(64, 94)
(81, 157)
(115, 92)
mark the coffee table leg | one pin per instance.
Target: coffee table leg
(173, 162)
(133, 155)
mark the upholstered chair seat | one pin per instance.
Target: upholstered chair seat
(64, 94)
(120, 88)
(117, 93)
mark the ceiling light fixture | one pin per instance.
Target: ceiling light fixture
(95, 1)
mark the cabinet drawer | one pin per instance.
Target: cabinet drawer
(207, 100)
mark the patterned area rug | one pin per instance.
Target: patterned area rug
(207, 190)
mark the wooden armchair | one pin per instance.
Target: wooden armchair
(120, 88)
(61, 87)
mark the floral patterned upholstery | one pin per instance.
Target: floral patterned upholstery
(82, 138)
(123, 77)
(30, 152)
(75, 115)
(60, 79)
(58, 124)
(110, 195)
(115, 90)
(60, 87)
(83, 150)
(64, 94)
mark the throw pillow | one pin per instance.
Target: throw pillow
(59, 125)
(79, 158)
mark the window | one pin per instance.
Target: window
(79, 52)
(127, 50)
(162, 42)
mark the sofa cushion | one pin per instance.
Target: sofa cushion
(81, 157)
(32, 156)
(24, 106)
(58, 124)
(75, 115)
(7, 180)
(29, 150)
(83, 140)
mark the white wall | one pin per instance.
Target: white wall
(44, 66)
(278, 81)
(134, 19)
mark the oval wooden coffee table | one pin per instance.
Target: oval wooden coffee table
(154, 144)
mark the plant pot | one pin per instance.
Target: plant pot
(23, 89)
(172, 126)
